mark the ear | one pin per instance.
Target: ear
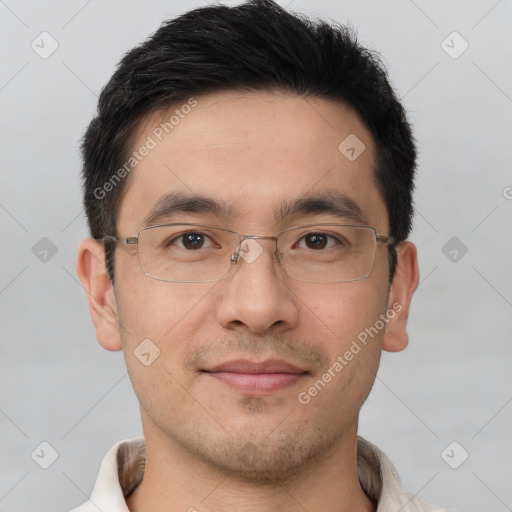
(405, 282)
(91, 270)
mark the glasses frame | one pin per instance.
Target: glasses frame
(234, 258)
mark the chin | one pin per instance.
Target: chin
(261, 459)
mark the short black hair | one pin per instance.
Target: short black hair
(256, 46)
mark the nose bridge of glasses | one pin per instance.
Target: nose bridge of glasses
(249, 247)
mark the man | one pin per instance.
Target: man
(248, 182)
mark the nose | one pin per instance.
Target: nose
(257, 295)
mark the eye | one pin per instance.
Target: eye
(318, 241)
(192, 240)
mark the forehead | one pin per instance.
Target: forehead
(254, 152)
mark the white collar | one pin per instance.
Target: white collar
(122, 470)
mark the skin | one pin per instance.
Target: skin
(211, 446)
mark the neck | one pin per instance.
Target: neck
(177, 480)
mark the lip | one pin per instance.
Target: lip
(246, 366)
(257, 378)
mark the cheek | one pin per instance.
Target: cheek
(338, 313)
(336, 396)
(158, 310)
(160, 319)
(346, 321)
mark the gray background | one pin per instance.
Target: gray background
(452, 383)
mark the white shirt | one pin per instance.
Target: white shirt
(122, 470)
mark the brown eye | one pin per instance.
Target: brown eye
(316, 241)
(192, 241)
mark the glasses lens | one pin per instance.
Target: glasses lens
(197, 253)
(186, 253)
(327, 253)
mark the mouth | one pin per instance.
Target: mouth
(257, 378)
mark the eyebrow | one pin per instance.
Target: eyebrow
(179, 202)
(331, 202)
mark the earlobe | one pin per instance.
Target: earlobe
(405, 282)
(91, 270)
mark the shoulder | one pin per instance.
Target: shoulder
(121, 470)
(381, 482)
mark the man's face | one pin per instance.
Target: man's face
(252, 152)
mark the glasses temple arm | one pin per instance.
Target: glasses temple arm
(128, 240)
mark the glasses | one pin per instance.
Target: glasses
(196, 253)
